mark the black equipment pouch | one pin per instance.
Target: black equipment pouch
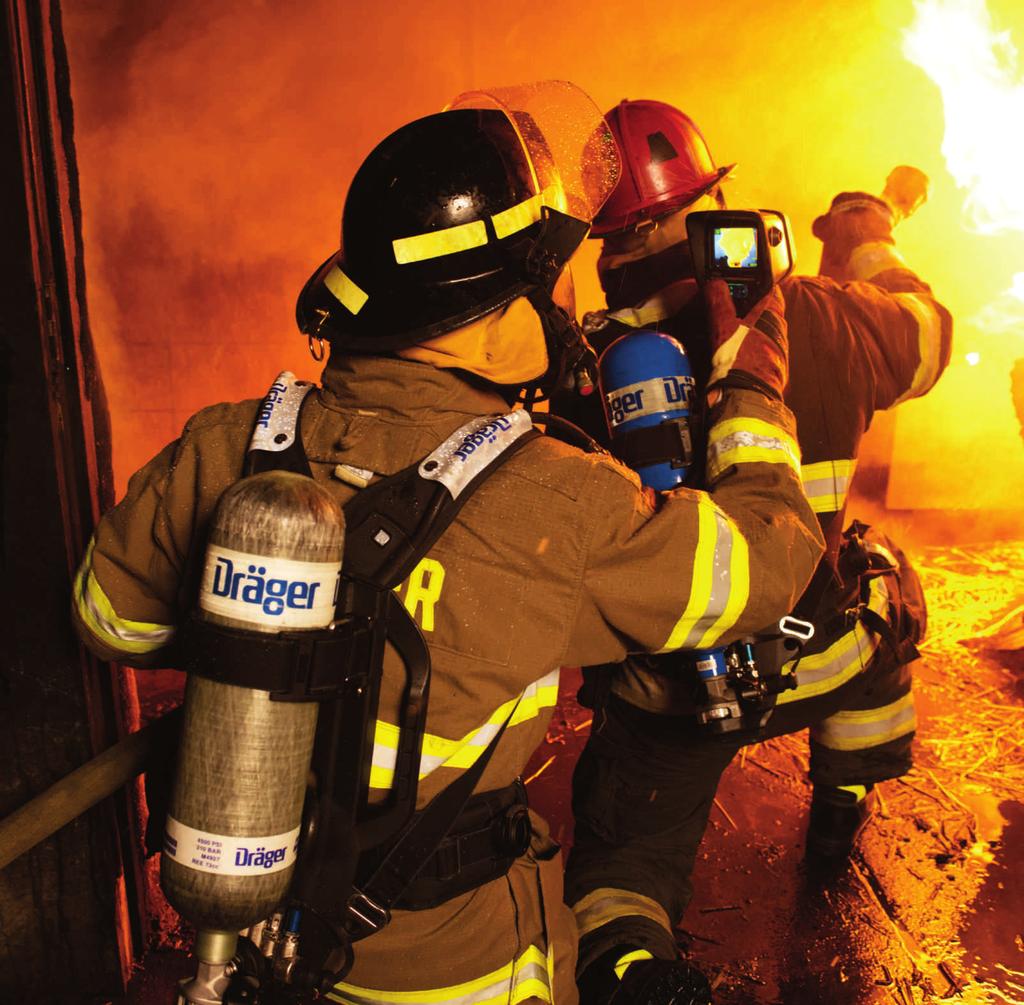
(866, 554)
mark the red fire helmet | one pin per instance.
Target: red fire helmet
(666, 164)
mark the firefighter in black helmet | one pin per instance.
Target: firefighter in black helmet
(449, 295)
(484, 218)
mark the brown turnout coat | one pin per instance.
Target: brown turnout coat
(558, 559)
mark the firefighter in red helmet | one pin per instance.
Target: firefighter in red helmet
(866, 334)
(666, 166)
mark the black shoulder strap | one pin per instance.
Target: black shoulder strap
(369, 908)
(392, 524)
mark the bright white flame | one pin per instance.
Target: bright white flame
(976, 68)
(973, 358)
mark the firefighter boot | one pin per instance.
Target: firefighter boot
(628, 976)
(838, 815)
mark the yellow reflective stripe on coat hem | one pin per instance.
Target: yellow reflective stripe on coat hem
(862, 729)
(606, 904)
(822, 672)
(99, 616)
(827, 484)
(746, 440)
(440, 752)
(524, 978)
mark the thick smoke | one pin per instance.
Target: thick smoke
(216, 141)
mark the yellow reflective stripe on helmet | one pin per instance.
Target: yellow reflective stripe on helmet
(826, 484)
(929, 343)
(866, 728)
(623, 962)
(745, 440)
(720, 586)
(519, 217)
(868, 260)
(345, 290)
(438, 243)
(526, 977)
(98, 614)
(608, 903)
(822, 672)
(523, 214)
(439, 752)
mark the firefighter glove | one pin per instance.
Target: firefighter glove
(752, 353)
(853, 219)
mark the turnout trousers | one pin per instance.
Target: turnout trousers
(645, 784)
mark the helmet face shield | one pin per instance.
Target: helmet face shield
(571, 148)
(458, 214)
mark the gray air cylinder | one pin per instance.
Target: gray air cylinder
(273, 563)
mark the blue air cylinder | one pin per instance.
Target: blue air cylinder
(647, 387)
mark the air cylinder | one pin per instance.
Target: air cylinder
(273, 563)
(646, 382)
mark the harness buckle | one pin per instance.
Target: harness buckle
(365, 915)
(796, 628)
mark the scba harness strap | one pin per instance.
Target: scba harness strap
(390, 526)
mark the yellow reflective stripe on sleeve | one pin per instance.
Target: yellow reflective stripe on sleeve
(866, 728)
(345, 290)
(700, 585)
(98, 614)
(524, 978)
(608, 903)
(826, 484)
(868, 260)
(437, 243)
(929, 343)
(745, 440)
(720, 586)
(822, 672)
(439, 752)
(623, 962)
(739, 589)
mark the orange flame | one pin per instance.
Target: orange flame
(976, 68)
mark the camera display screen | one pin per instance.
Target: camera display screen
(734, 248)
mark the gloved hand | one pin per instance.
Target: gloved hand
(752, 353)
(853, 219)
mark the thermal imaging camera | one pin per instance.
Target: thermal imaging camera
(751, 249)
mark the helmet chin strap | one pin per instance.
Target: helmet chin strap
(573, 363)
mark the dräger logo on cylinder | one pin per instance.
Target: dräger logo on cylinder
(261, 858)
(647, 397)
(279, 591)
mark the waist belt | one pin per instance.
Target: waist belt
(490, 833)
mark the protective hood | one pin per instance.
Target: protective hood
(505, 347)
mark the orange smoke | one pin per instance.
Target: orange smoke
(215, 143)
